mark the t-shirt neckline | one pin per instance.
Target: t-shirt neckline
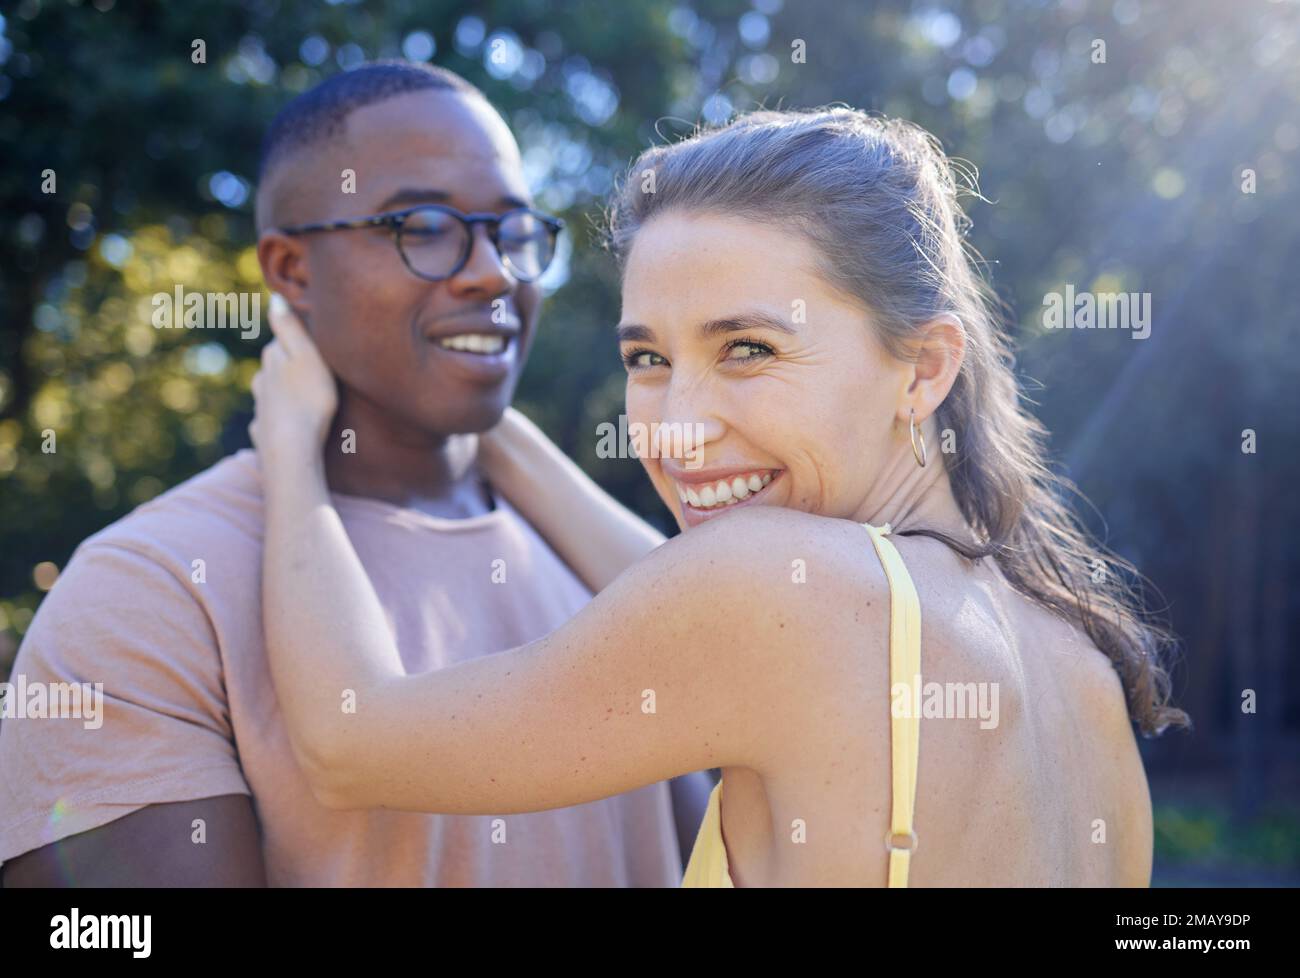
(383, 509)
(408, 514)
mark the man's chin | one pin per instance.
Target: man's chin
(472, 417)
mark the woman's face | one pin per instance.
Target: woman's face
(729, 332)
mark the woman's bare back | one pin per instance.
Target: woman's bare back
(1030, 777)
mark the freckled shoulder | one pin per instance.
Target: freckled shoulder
(782, 547)
(800, 582)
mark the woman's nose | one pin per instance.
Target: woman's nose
(691, 424)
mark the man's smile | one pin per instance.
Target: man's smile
(480, 347)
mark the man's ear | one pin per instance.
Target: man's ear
(939, 348)
(285, 268)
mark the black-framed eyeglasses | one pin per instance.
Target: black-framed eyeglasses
(435, 241)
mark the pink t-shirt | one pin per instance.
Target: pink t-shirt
(189, 710)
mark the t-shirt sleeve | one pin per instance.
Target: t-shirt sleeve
(161, 731)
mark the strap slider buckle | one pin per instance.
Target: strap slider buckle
(909, 837)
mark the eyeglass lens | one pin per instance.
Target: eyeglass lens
(435, 243)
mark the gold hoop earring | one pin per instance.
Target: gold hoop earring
(920, 454)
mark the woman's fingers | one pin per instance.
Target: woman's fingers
(294, 391)
(291, 335)
(287, 327)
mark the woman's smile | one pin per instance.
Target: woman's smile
(705, 493)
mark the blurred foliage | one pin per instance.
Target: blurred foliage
(1207, 840)
(154, 156)
(1122, 175)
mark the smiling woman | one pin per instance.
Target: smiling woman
(796, 291)
(852, 221)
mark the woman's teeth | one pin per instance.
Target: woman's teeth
(474, 343)
(724, 492)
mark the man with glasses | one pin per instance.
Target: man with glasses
(436, 241)
(395, 221)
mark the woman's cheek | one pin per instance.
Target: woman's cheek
(637, 402)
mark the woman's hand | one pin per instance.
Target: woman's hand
(295, 392)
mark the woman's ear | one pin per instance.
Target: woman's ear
(285, 268)
(940, 348)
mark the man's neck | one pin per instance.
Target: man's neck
(369, 454)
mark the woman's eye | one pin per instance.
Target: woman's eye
(745, 350)
(640, 359)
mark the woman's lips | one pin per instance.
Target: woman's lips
(702, 498)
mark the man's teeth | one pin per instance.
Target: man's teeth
(474, 342)
(724, 492)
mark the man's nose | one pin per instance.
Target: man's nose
(484, 272)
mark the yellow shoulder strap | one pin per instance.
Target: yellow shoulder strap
(905, 730)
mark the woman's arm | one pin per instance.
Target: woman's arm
(650, 680)
(633, 690)
(591, 531)
(704, 654)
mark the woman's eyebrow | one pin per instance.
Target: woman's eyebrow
(745, 320)
(636, 333)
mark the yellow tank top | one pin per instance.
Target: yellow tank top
(708, 865)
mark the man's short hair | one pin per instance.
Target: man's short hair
(320, 113)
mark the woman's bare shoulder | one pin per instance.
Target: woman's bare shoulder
(815, 570)
(780, 576)
(774, 538)
(819, 576)
(806, 600)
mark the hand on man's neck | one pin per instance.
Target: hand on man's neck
(437, 474)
